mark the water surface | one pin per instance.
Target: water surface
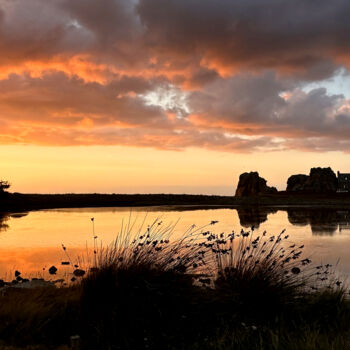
(32, 242)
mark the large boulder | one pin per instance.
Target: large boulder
(320, 180)
(251, 184)
(296, 183)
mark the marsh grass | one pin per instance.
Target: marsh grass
(155, 248)
(146, 278)
(265, 274)
(39, 316)
(154, 289)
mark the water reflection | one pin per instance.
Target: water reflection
(3, 222)
(255, 216)
(5, 217)
(321, 221)
(31, 242)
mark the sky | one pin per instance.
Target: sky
(175, 96)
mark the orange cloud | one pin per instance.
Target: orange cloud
(80, 73)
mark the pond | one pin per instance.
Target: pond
(32, 242)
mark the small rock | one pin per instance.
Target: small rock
(65, 263)
(79, 273)
(295, 270)
(52, 270)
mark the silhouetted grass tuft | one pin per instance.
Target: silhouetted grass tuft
(144, 281)
(265, 275)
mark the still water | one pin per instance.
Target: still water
(32, 242)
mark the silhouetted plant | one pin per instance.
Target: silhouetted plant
(264, 274)
(4, 185)
(146, 278)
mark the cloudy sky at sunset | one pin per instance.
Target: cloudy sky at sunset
(171, 95)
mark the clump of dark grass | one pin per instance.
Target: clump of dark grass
(46, 316)
(267, 277)
(141, 291)
(155, 249)
(172, 288)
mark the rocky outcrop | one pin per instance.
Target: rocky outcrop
(251, 184)
(320, 180)
(296, 183)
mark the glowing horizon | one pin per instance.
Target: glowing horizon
(117, 169)
(145, 97)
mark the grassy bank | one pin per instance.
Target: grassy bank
(200, 291)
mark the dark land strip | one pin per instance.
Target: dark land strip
(14, 202)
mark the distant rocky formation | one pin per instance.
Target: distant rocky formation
(320, 180)
(251, 184)
(296, 182)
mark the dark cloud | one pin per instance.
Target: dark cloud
(265, 104)
(302, 36)
(57, 99)
(306, 38)
(110, 21)
(229, 75)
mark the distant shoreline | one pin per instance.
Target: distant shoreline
(12, 202)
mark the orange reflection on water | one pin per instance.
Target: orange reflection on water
(32, 243)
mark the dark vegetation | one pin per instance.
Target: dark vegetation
(200, 291)
(18, 201)
(15, 202)
(4, 185)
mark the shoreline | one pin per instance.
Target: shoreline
(17, 202)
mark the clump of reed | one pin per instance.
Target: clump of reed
(155, 249)
(263, 274)
(171, 288)
(144, 280)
